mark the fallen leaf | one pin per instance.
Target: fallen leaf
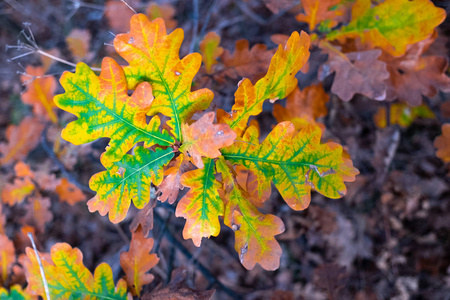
(16, 192)
(204, 139)
(318, 11)
(38, 212)
(210, 50)
(7, 257)
(118, 14)
(78, 42)
(144, 218)
(69, 192)
(137, 262)
(402, 114)
(331, 278)
(442, 143)
(165, 11)
(276, 6)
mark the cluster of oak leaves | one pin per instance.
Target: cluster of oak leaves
(380, 51)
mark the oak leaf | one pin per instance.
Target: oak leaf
(23, 170)
(210, 50)
(153, 56)
(15, 293)
(104, 109)
(144, 218)
(391, 25)
(21, 140)
(442, 143)
(170, 186)
(279, 82)
(204, 139)
(78, 42)
(201, 206)
(128, 180)
(165, 11)
(118, 14)
(318, 11)
(356, 73)
(17, 191)
(38, 212)
(68, 278)
(2, 220)
(401, 114)
(7, 257)
(137, 262)
(69, 192)
(40, 92)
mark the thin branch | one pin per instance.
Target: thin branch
(195, 27)
(129, 6)
(41, 268)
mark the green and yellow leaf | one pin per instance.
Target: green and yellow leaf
(128, 180)
(279, 82)
(202, 205)
(295, 163)
(392, 25)
(15, 293)
(104, 109)
(153, 56)
(254, 232)
(210, 50)
(68, 278)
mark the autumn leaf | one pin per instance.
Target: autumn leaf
(17, 191)
(170, 186)
(415, 74)
(137, 262)
(38, 212)
(40, 92)
(303, 107)
(204, 139)
(104, 109)
(356, 73)
(442, 143)
(23, 170)
(392, 25)
(118, 14)
(78, 42)
(7, 257)
(21, 140)
(68, 278)
(295, 163)
(165, 11)
(279, 82)
(154, 57)
(69, 192)
(401, 114)
(144, 218)
(318, 11)
(201, 206)
(210, 50)
(128, 180)
(254, 231)
(15, 293)
(2, 220)
(245, 62)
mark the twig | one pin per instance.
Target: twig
(41, 268)
(129, 6)
(195, 27)
(207, 17)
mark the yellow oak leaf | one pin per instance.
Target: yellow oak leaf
(210, 50)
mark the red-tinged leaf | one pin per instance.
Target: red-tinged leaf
(318, 11)
(356, 73)
(38, 212)
(16, 192)
(204, 139)
(415, 74)
(40, 92)
(69, 192)
(176, 290)
(78, 42)
(279, 82)
(303, 107)
(144, 218)
(210, 50)
(165, 11)
(137, 262)
(254, 232)
(68, 278)
(21, 140)
(7, 257)
(442, 143)
(201, 206)
(245, 62)
(170, 186)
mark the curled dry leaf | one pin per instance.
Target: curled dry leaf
(69, 192)
(7, 257)
(210, 50)
(137, 262)
(442, 143)
(21, 140)
(204, 139)
(40, 92)
(144, 218)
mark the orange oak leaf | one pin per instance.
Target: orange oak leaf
(2, 220)
(442, 143)
(245, 62)
(137, 262)
(23, 170)
(356, 73)
(415, 74)
(165, 11)
(170, 186)
(21, 140)
(40, 92)
(203, 138)
(7, 257)
(210, 50)
(69, 192)
(78, 42)
(318, 11)
(303, 107)
(16, 192)
(38, 213)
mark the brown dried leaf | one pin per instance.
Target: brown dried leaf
(38, 213)
(442, 143)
